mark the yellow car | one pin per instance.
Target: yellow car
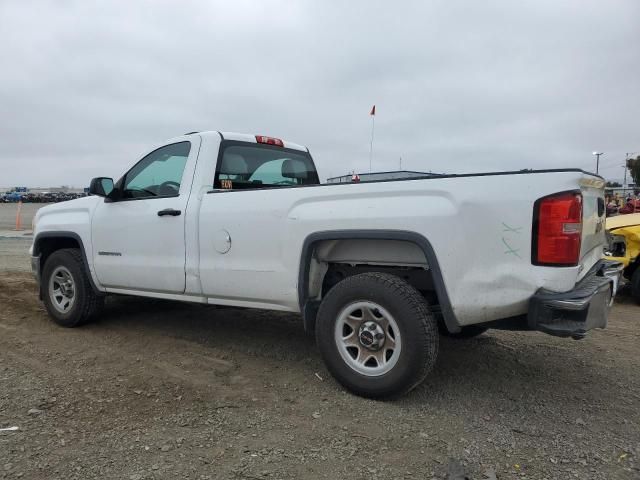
(623, 236)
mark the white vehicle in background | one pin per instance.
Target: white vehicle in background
(374, 268)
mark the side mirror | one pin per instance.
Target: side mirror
(101, 186)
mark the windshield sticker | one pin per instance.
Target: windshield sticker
(226, 184)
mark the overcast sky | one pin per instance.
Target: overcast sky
(87, 88)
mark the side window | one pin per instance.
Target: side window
(158, 174)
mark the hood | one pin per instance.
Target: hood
(82, 202)
(620, 221)
(54, 213)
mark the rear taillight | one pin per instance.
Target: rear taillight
(557, 230)
(269, 140)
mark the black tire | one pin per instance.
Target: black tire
(416, 324)
(469, 331)
(86, 304)
(635, 285)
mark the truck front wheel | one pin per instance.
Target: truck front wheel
(377, 335)
(66, 289)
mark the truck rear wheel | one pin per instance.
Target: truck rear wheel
(377, 335)
(67, 291)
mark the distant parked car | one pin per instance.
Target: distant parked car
(12, 197)
(40, 197)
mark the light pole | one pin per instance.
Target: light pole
(597, 154)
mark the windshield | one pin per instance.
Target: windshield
(246, 166)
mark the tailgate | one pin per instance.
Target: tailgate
(593, 220)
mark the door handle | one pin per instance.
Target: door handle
(169, 211)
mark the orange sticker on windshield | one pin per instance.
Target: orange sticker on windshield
(226, 184)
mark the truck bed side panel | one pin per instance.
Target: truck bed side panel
(483, 244)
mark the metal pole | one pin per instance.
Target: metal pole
(624, 182)
(598, 162)
(373, 124)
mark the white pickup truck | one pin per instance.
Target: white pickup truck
(376, 269)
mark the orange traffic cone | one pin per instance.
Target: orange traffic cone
(19, 217)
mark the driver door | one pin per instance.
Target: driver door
(139, 239)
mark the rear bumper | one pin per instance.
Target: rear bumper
(574, 313)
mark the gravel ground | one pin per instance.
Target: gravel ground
(156, 390)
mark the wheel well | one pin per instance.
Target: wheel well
(328, 261)
(47, 243)
(630, 270)
(420, 278)
(334, 260)
(46, 246)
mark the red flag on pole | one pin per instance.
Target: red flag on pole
(373, 111)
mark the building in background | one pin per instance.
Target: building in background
(375, 176)
(623, 191)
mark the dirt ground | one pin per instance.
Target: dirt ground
(156, 390)
(8, 213)
(14, 254)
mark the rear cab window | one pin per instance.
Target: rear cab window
(246, 166)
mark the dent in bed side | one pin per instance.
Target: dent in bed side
(308, 307)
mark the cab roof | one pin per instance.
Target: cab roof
(249, 138)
